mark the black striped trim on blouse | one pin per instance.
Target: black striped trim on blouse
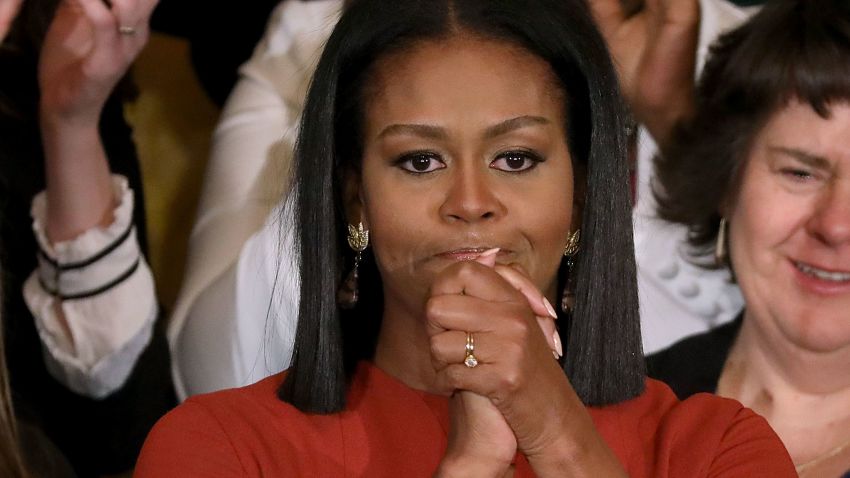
(91, 260)
(89, 293)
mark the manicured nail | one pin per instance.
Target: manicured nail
(488, 257)
(550, 309)
(557, 339)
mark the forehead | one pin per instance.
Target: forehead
(480, 79)
(798, 125)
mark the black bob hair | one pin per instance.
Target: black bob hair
(603, 358)
(791, 49)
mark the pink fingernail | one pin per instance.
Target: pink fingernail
(557, 339)
(550, 309)
(488, 257)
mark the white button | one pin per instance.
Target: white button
(689, 290)
(669, 271)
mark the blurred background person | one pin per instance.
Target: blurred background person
(758, 170)
(234, 320)
(88, 366)
(659, 47)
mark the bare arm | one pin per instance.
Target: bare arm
(83, 57)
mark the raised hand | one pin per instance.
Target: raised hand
(654, 51)
(88, 48)
(8, 12)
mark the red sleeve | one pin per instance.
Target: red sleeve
(750, 447)
(188, 441)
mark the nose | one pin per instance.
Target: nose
(830, 222)
(470, 196)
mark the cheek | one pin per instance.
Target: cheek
(766, 219)
(396, 227)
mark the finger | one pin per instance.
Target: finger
(134, 13)
(472, 314)
(104, 30)
(520, 281)
(488, 258)
(484, 380)
(8, 12)
(608, 13)
(539, 304)
(449, 348)
(474, 279)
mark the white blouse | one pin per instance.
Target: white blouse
(93, 300)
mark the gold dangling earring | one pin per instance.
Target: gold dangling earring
(568, 298)
(358, 241)
(720, 245)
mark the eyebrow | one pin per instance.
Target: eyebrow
(812, 160)
(437, 132)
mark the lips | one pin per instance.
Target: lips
(466, 253)
(822, 274)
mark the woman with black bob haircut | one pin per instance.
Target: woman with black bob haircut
(449, 152)
(761, 176)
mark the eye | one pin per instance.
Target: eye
(797, 174)
(420, 162)
(516, 161)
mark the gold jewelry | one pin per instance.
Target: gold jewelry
(127, 30)
(568, 298)
(573, 244)
(720, 245)
(470, 360)
(821, 458)
(358, 238)
(349, 293)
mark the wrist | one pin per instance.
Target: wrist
(463, 468)
(56, 121)
(589, 456)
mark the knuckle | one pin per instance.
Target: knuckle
(435, 346)
(433, 308)
(510, 381)
(454, 377)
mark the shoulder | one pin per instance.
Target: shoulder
(704, 435)
(693, 364)
(217, 434)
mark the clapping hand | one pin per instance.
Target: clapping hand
(654, 51)
(8, 12)
(88, 48)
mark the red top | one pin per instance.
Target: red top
(390, 429)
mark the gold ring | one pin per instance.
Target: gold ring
(470, 360)
(126, 30)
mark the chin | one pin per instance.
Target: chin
(821, 332)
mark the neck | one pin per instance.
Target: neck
(804, 395)
(403, 349)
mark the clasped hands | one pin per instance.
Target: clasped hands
(518, 397)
